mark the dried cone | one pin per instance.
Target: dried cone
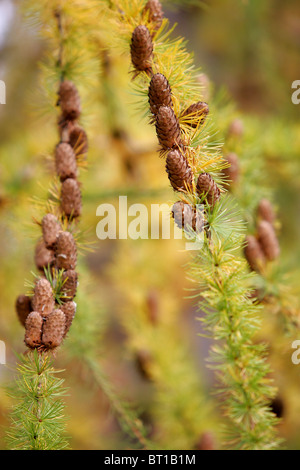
(70, 281)
(70, 199)
(155, 12)
(65, 161)
(233, 171)
(54, 329)
(78, 140)
(179, 171)
(33, 330)
(206, 187)
(167, 128)
(23, 308)
(43, 298)
(69, 100)
(141, 49)
(50, 228)
(186, 216)
(69, 310)
(254, 254)
(265, 211)
(66, 252)
(195, 114)
(43, 257)
(159, 93)
(268, 240)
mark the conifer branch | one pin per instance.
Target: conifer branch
(220, 275)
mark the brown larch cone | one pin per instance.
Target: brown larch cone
(43, 298)
(233, 171)
(65, 161)
(43, 257)
(186, 216)
(50, 228)
(254, 254)
(70, 281)
(236, 128)
(78, 140)
(69, 309)
(66, 251)
(141, 49)
(195, 113)
(155, 13)
(69, 100)
(268, 240)
(179, 171)
(265, 211)
(33, 330)
(23, 308)
(159, 93)
(167, 128)
(207, 442)
(70, 199)
(207, 188)
(54, 329)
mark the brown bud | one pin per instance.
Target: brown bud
(167, 128)
(66, 252)
(69, 100)
(155, 13)
(78, 140)
(179, 171)
(65, 161)
(51, 228)
(233, 171)
(33, 330)
(69, 309)
(43, 257)
(54, 329)
(70, 281)
(208, 189)
(43, 298)
(23, 308)
(195, 114)
(254, 254)
(141, 49)
(268, 240)
(70, 198)
(186, 216)
(159, 93)
(265, 211)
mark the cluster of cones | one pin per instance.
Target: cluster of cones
(47, 315)
(168, 129)
(263, 246)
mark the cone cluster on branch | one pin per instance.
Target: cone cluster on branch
(264, 246)
(47, 315)
(167, 123)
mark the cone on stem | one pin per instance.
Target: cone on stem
(167, 128)
(155, 13)
(159, 93)
(33, 330)
(141, 49)
(50, 228)
(69, 100)
(70, 198)
(208, 189)
(268, 240)
(196, 114)
(66, 251)
(65, 161)
(43, 298)
(23, 308)
(254, 254)
(179, 171)
(54, 329)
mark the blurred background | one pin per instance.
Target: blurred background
(134, 311)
